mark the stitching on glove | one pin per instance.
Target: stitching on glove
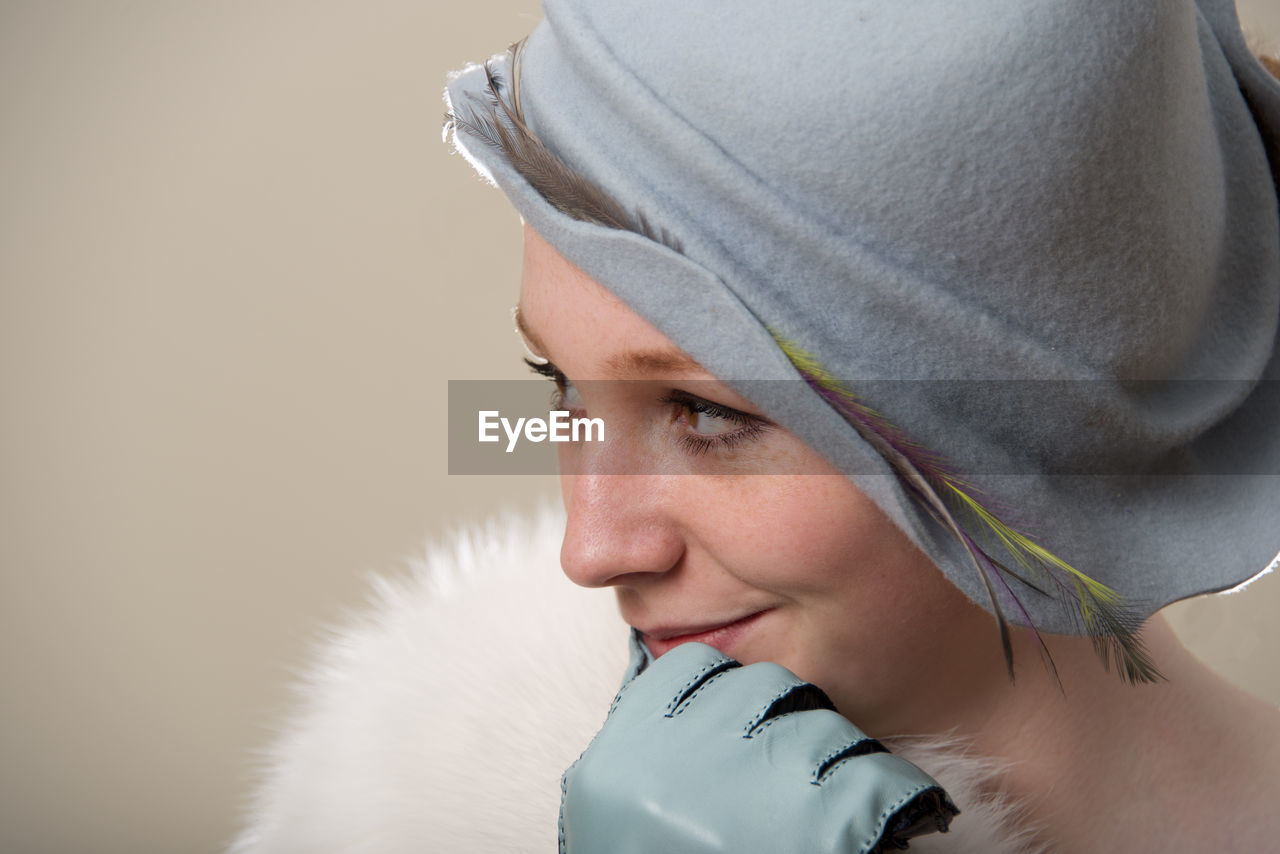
(695, 684)
(835, 758)
(873, 842)
(688, 701)
(564, 790)
(798, 697)
(564, 787)
(764, 712)
(617, 698)
(764, 726)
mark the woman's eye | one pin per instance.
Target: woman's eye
(704, 425)
(709, 425)
(712, 426)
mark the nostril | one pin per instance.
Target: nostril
(599, 555)
(584, 565)
(602, 561)
(617, 529)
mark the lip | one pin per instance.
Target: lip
(722, 636)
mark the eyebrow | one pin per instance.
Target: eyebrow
(620, 365)
(668, 361)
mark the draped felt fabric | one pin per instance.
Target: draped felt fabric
(1039, 237)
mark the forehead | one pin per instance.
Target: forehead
(569, 318)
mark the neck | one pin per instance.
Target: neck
(1104, 765)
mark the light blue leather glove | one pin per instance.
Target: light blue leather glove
(700, 754)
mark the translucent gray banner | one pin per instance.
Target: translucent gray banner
(971, 427)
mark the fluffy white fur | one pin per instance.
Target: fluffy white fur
(441, 717)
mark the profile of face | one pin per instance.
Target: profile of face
(710, 542)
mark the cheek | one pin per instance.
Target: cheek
(811, 534)
(867, 607)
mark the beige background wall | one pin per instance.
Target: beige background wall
(237, 268)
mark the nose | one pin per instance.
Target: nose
(620, 528)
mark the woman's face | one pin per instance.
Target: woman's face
(800, 569)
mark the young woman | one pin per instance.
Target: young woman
(1019, 287)
(936, 347)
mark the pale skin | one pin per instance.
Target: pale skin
(849, 603)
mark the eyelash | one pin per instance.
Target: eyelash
(551, 372)
(750, 427)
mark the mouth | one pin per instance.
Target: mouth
(722, 636)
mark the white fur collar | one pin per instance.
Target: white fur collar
(441, 717)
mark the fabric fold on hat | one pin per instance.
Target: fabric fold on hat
(1040, 238)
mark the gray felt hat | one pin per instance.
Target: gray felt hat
(1039, 238)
